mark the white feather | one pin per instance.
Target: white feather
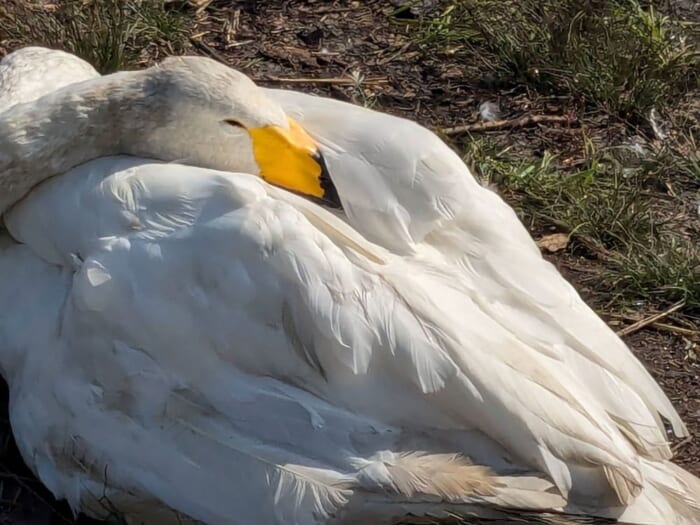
(198, 340)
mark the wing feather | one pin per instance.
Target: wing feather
(407, 191)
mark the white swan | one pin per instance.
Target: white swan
(176, 337)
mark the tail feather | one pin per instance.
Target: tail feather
(625, 487)
(669, 492)
(412, 481)
(412, 474)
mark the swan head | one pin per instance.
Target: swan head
(207, 114)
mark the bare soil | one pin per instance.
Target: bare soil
(354, 50)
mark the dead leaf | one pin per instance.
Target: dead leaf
(554, 242)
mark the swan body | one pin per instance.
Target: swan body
(201, 342)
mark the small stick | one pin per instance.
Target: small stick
(598, 250)
(330, 10)
(676, 329)
(213, 53)
(333, 80)
(495, 125)
(634, 327)
(238, 44)
(394, 55)
(663, 327)
(200, 5)
(675, 448)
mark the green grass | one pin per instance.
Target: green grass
(616, 55)
(110, 34)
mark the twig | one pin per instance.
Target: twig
(634, 327)
(495, 125)
(328, 10)
(239, 44)
(401, 50)
(664, 327)
(594, 247)
(677, 330)
(332, 80)
(675, 448)
(213, 53)
(200, 5)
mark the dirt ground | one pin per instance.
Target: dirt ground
(352, 50)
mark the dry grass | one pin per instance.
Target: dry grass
(110, 34)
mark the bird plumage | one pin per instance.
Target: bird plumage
(182, 338)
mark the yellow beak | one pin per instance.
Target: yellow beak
(290, 158)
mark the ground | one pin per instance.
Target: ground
(607, 179)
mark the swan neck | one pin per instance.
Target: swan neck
(67, 128)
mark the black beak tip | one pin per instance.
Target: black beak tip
(330, 193)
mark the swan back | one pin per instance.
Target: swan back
(32, 72)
